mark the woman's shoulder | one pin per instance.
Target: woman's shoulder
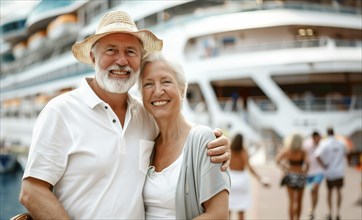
(200, 130)
(199, 135)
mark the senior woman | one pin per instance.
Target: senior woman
(181, 182)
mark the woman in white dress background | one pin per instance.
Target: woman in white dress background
(240, 195)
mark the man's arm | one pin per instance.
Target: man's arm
(37, 197)
(219, 150)
(320, 161)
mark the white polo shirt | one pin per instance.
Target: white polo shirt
(97, 167)
(332, 152)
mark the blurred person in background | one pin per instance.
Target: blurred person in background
(293, 161)
(240, 198)
(332, 155)
(315, 173)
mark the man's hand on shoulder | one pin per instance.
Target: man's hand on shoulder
(219, 149)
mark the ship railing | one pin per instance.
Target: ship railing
(300, 5)
(29, 106)
(329, 103)
(228, 104)
(244, 6)
(264, 104)
(313, 104)
(320, 42)
(347, 43)
(75, 69)
(48, 50)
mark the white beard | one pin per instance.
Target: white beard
(114, 85)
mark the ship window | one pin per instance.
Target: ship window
(7, 57)
(234, 95)
(12, 26)
(228, 41)
(305, 33)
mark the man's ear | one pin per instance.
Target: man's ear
(92, 57)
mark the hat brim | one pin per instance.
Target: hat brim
(81, 50)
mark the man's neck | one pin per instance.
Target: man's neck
(117, 101)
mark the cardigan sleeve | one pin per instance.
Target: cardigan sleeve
(199, 179)
(211, 179)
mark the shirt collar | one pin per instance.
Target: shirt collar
(133, 102)
(89, 96)
(92, 100)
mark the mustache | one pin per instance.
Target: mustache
(120, 68)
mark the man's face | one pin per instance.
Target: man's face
(316, 139)
(117, 59)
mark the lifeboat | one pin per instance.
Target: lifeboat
(19, 49)
(62, 25)
(36, 40)
(11, 104)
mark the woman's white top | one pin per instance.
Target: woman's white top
(159, 191)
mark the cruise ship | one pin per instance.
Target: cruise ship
(262, 68)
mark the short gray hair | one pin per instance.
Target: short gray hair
(175, 68)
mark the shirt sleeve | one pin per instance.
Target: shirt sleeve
(49, 147)
(319, 150)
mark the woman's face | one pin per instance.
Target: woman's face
(162, 96)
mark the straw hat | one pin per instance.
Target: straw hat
(111, 23)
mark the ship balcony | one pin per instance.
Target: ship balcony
(307, 104)
(39, 50)
(46, 11)
(340, 112)
(322, 42)
(329, 103)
